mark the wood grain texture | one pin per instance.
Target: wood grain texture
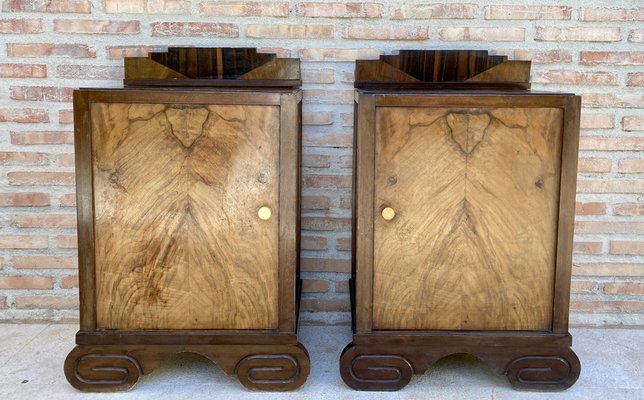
(178, 241)
(476, 196)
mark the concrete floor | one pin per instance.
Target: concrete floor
(31, 367)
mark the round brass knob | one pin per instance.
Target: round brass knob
(264, 213)
(388, 213)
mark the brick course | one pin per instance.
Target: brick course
(51, 47)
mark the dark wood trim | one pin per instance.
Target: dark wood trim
(363, 218)
(566, 223)
(396, 86)
(85, 209)
(463, 338)
(255, 84)
(288, 210)
(185, 96)
(185, 337)
(469, 99)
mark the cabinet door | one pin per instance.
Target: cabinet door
(475, 196)
(178, 240)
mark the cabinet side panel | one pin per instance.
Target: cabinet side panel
(179, 244)
(475, 193)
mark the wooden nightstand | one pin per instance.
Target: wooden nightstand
(188, 193)
(464, 200)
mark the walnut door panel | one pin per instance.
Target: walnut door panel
(178, 240)
(475, 192)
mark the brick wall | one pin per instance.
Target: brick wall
(50, 47)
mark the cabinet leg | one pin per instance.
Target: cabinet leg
(374, 372)
(541, 372)
(90, 370)
(281, 371)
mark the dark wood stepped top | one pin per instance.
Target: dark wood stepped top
(212, 67)
(442, 69)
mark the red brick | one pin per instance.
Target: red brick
(37, 93)
(590, 208)
(25, 199)
(578, 34)
(23, 115)
(631, 166)
(278, 51)
(340, 10)
(612, 186)
(47, 302)
(583, 287)
(65, 117)
(243, 9)
(544, 56)
(315, 285)
(23, 71)
(342, 286)
(51, 6)
(636, 36)
(608, 269)
(68, 200)
(629, 227)
(597, 121)
(343, 244)
(635, 79)
(611, 58)
(20, 26)
(346, 161)
(607, 306)
(327, 181)
(611, 100)
(528, 12)
(436, 11)
(316, 161)
(323, 96)
(23, 158)
(326, 265)
(327, 140)
(147, 6)
(326, 223)
(65, 160)
(8, 241)
(314, 243)
(611, 14)
(611, 143)
(95, 26)
(315, 203)
(89, 72)
(594, 165)
(41, 178)
(346, 202)
(317, 118)
(592, 248)
(386, 32)
(26, 282)
(338, 55)
(3, 302)
(42, 137)
(482, 34)
(69, 282)
(44, 221)
(209, 29)
(45, 262)
(67, 241)
(50, 49)
(325, 305)
(631, 248)
(567, 77)
(292, 31)
(119, 52)
(628, 209)
(627, 288)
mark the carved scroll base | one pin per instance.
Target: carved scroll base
(114, 368)
(538, 363)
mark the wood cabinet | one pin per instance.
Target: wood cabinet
(188, 212)
(463, 223)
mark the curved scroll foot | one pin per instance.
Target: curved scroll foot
(275, 372)
(89, 370)
(544, 372)
(374, 372)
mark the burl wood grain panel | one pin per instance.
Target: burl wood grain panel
(179, 244)
(473, 242)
